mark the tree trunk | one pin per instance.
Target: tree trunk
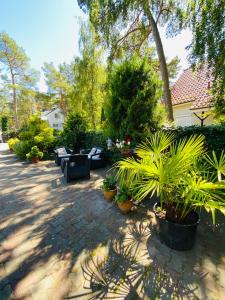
(15, 101)
(163, 66)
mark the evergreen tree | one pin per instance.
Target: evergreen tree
(134, 91)
(16, 72)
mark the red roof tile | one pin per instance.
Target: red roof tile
(193, 87)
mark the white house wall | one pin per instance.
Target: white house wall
(56, 123)
(184, 116)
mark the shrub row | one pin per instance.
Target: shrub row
(214, 135)
(95, 138)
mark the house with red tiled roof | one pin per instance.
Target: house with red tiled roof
(191, 98)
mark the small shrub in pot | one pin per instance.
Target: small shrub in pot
(34, 155)
(109, 187)
(124, 200)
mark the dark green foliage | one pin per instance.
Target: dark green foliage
(214, 135)
(22, 148)
(134, 90)
(74, 132)
(95, 138)
(4, 124)
(208, 44)
(113, 156)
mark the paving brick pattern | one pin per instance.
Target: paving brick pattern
(64, 241)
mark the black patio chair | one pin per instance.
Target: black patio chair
(60, 153)
(96, 156)
(77, 166)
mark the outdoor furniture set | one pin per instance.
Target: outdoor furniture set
(75, 166)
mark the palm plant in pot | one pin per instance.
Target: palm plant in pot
(35, 154)
(109, 187)
(180, 174)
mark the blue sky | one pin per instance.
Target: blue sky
(48, 31)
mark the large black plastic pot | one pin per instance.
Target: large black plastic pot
(176, 236)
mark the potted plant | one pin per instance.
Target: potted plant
(126, 150)
(109, 187)
(180, 174)
(124, 200)
(34, 155)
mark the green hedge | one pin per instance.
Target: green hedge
(214, 135)
(95, 138)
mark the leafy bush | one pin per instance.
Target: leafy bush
(12, 142)
(75, 131)
(134, 90)
(38, 133)
(34, 153)
(35, 132)
(22, 148)
(214, 135)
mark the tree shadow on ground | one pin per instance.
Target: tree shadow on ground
(47, 228)
(127, 272)
(47, 225)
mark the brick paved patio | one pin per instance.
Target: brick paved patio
(63, 241)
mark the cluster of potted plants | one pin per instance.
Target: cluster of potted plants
(184, 178)
(121, 196)
(34, 155)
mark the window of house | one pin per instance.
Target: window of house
(56, 116)
(55, 125)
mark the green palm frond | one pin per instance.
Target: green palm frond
(206, 194)
(188, 150)
(217, 164)
(156, 144)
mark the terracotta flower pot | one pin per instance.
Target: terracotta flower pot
(34, 160)
(109, 195)
(125, 207)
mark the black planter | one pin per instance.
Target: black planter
(176, 236)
